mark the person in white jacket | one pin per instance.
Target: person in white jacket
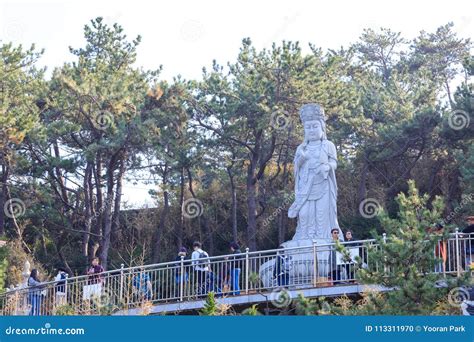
(200, 262)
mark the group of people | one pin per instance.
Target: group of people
(37, 289)
(224, 279)
(339, 268)
(199, 276)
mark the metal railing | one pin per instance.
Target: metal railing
(228, 275)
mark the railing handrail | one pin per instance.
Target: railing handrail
(186, 261)
(226, 275)
(177, 263)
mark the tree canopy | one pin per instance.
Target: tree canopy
(219, 150)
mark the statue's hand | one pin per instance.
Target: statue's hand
(303, 157)
(293, 210)
(324, 168)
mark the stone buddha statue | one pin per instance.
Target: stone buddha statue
(315, 180)
(315, 203)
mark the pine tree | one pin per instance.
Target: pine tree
(405, 261)
(252, 311)
(210, 307)
(3, 268)
(20, 82)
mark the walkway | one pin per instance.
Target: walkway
(242, 279)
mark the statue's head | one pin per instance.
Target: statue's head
(314, 122)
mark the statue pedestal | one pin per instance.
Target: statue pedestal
(301, 263)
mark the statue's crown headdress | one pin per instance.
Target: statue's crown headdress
(312, 111)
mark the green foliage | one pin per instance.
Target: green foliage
(15, 258)
(308, 307)
(227, 139)
(252, 311)
(20, 81)
(254, 279)
(65, 310)
(3, 267)
(405, 261)
(210, 306)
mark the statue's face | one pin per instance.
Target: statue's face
(313, 130)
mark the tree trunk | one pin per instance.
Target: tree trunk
(94, 243)
(118, 158)
(87, 209)
(362, 191)
(118, 197)
(107, 216)
(251, 210)
(179, 230)
(208, 233)
(281, 227)
(59, 175)
(163, 217)
(233, 204)
(3, 192)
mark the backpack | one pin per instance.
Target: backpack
(282, 265)
(286, 264)
(61, 284)
(62, 279)
(203, 259)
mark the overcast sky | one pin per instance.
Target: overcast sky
(185, 35)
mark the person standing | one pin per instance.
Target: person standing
(183, 252)
(34, 292)
(142, 285)
(281, 270)
(235, 268)
(60, 287)
(441, 249)
(200, 262)
(95, 273)
(348, 236)
(468, 241)
(354, 252)
(333, 258)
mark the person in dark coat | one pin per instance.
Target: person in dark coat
(235, 267)
(334, 267)
(182, 253)
(281, 269)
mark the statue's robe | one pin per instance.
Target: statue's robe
(315, 193)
